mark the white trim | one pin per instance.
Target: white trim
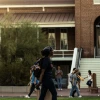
(61, 58)
(63, 50)
(61, 25)
(50, 24)
(32, 6)
(57, 24)
(96, 2)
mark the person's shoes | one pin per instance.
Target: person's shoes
(70, 97)
(58, 89)
(35, 89)
(80, 96)
(27, 96)
(61, 89)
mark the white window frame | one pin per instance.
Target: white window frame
(96, 2)
(55, 36)
(60, 39)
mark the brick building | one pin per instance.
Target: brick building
(87, 23)
(67, 23)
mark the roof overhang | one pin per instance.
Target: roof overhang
(41, 19)
(47, 25)
(63, 24)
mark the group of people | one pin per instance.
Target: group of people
(75, 82)
(33, 82)
(45, 79)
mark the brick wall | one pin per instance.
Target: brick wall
(85, 14)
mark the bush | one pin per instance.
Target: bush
(20, 47)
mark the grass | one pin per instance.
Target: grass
(59, 98)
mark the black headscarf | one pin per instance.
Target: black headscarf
(46, 51)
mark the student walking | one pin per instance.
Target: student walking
(89, 82)
(73, 80)
(31, 83)
(46, 75)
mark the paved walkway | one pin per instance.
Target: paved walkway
(64, 92)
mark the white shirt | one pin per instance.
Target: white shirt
(89, 77)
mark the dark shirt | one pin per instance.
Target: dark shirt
(46, 64)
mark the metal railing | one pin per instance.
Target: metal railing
(79, 57)
(63, 53)
(94, 52)
(76, 58)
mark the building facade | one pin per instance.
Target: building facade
(67, 24)
(87, 23)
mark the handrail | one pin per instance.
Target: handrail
(63, 53)
(76, 58)
(80, 54)
(63, 50)
(94, 52)
(79, 57)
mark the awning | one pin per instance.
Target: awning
(42, 19)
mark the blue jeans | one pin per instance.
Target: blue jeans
(59, 82)
(74, 87)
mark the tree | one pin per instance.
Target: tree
(20, 47)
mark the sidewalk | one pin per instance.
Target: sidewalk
(64, 92)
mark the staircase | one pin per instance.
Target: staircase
(92, 64)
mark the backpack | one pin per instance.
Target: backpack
(38, 68)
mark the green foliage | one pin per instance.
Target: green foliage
(20, 47)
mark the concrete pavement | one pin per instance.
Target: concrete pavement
(64, 92)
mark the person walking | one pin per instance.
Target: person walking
(73, 80)
(89, 82)
(59, 74)
(46, 75)
(31, 83)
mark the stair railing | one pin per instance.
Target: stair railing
(76, 58)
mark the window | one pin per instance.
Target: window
(51, 38)
(63, 39)
(96, 1)
(98, 41)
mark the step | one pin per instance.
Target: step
(92, 64)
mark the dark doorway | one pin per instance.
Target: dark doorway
(65, 67)
(97, 36)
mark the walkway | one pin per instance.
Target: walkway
(64, 92)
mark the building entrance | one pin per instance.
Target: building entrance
(97, 36)
(98, 41)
